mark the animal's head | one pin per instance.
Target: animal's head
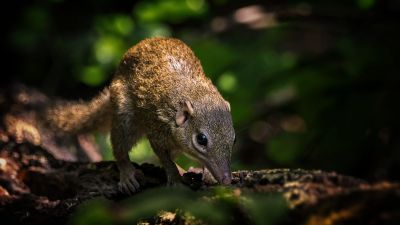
(204, 130)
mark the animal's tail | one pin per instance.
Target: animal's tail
(80, 116)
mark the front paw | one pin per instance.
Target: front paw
(128, 183)
(208, 177)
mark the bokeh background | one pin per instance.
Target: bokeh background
(312, 84)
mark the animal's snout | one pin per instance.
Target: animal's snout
(226, 179)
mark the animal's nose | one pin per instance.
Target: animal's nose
(226, 180)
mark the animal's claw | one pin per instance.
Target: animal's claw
(128, 183)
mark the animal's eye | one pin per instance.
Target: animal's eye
(202, 139)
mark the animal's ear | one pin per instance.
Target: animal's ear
(184, 112)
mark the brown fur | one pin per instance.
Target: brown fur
(152, 87)
(80, 117)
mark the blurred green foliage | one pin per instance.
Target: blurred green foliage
(311, 84)
(174, 11)
(216, 207)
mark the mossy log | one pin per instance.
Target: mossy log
(36, 188)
